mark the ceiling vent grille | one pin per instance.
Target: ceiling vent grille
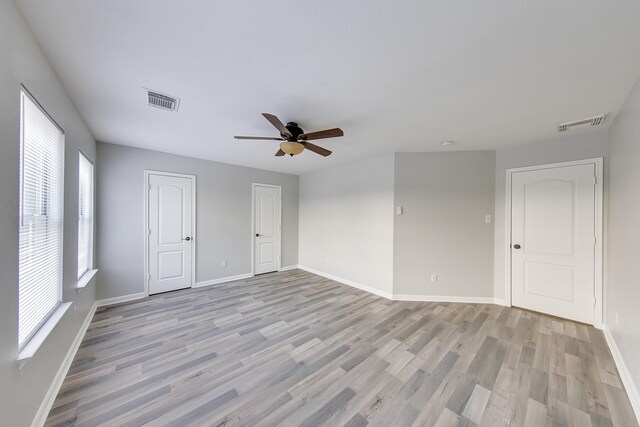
(591, 121)
(162, 101)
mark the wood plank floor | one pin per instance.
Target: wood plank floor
(293, 348)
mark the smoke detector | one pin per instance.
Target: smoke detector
(162, 101)
(590, 121)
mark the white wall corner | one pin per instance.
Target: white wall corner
(501, 301)
(625, 375)
(222, 280)
(121, 299)
(348, 282)
(289, 267)
(52, 393)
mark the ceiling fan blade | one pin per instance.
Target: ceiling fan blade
(269, 138)
(321, 134)
(280, 153)
(316, 149)
(277, 123)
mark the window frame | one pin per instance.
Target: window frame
(82, 278)
(43, 207)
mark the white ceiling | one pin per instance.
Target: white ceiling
(394, 75)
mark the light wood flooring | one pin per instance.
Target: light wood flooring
(293, 348)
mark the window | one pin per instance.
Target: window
(41, 218)
(85, 215)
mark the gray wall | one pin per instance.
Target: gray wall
(575, 147)
(346, 222)
(223, 216)
(445, 197)
(22, 61)
(623, 284)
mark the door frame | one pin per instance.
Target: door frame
(598, 251)
(145, 231)
(253, 225)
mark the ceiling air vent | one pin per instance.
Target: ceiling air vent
(162, 101)
(591, 121)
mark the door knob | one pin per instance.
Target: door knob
(516, 246)
(258, 234)
(187, 238)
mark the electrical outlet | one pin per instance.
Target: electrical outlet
(434, 278)
(223, 264)
(487, 219)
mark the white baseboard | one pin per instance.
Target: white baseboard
(52, 393)
(444, 298)
(289, 267)
(404, 297)
(118, 300)
(360, 286)
(625, 375)
(222, 280)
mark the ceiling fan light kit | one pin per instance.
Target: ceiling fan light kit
(291, 148)
(294, 139)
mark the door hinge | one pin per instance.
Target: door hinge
(149, 232)
(595, 240)
(595, 180)
(594, 300)
(148, 277)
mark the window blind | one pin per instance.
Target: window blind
(41, 218)
(85, 216)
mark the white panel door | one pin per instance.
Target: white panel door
(266, 229)
(170, 210)
(553, 241)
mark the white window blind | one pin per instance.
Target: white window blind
(41, 218)
(85, 216)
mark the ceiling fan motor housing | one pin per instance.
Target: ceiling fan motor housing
(295, 131)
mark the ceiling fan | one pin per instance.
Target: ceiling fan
(294, 139)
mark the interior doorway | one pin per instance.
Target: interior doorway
(555, 239)
(266, 231)
(170, 231)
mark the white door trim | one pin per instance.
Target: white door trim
(598, 272)
(145, 231)
(253, 225)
